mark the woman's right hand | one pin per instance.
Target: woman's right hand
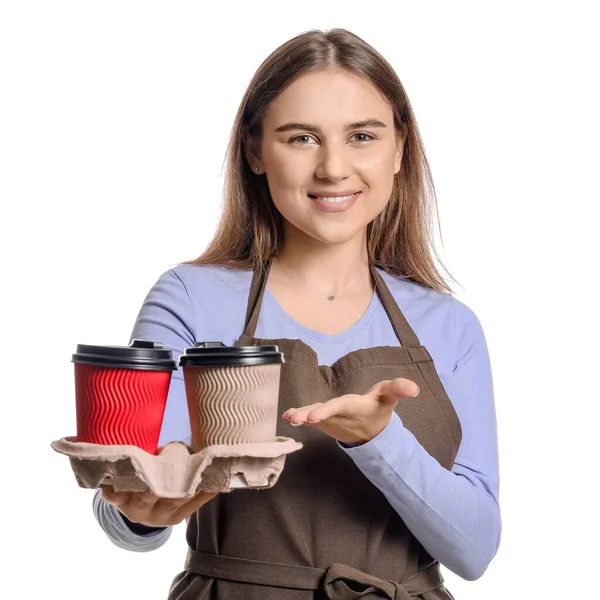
(147, 509)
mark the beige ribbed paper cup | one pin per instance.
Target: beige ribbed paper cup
(232, 393)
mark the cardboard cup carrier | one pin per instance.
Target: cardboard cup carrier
(232, 395)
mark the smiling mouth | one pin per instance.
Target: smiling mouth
(333, 199)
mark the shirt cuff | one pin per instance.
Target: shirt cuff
(111, 521)
(138, 528)
(379, 444)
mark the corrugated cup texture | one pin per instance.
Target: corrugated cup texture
(232, 405)
(117, 406)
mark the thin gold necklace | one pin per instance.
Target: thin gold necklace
(330, 298)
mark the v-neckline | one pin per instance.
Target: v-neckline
(404, 332)
(318, 336)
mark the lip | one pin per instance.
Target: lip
(325, 206)
(333, 194)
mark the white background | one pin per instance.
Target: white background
(113, 127)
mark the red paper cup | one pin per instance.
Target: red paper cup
(121, 393)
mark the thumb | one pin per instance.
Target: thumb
(393, 389)
(109, 495)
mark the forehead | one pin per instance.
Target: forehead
(328, 98)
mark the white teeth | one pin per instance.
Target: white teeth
(335, 199)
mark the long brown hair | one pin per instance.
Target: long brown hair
(250, 229)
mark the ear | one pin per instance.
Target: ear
(398, 155)
(252, 152)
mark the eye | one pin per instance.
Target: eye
(302, 140)
(361, 138)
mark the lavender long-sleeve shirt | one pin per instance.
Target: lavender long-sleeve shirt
(454, 514)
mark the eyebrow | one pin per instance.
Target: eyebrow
(315, 129)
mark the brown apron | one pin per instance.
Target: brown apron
(324, 530)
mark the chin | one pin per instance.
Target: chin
(334, 236)
(328, 231)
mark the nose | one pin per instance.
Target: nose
(333, 162)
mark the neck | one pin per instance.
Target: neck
(325, 269)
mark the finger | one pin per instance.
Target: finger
(107, 491)
(193, 505)
(299, 416)
(391, 390)
(288, 413)
(143, 500)
(171, 505)
(118, 499)
(109, 494)
(336, 407)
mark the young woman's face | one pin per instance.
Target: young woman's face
(329, 135)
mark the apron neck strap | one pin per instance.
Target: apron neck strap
(255, 298)
(404, 332)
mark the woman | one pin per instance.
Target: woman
(323, 248)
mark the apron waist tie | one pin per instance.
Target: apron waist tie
(339, 581)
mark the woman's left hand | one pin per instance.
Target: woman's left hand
(355, 419)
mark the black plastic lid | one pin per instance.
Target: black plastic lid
(212, 354)
(140, 354)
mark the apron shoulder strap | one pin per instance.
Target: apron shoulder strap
(404, 332)
(255, 298)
